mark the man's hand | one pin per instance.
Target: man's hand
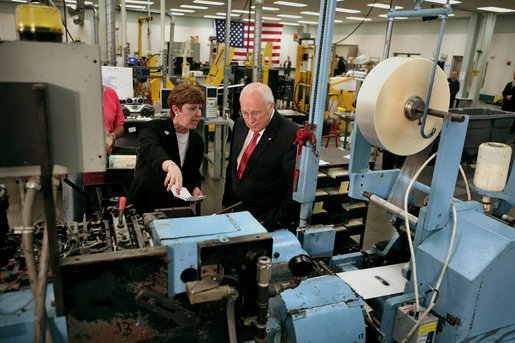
(509, 97)
(197, 192)
(109, 141)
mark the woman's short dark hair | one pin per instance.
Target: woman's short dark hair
(184, 93)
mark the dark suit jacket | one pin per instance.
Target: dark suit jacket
(508, 105)
(266, 185)
(157, 143)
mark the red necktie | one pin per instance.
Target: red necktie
(247, 153)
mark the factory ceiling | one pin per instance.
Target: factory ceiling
(348, 11)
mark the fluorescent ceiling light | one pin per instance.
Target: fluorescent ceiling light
(385, 16)
(308, 22)
(195, 7)
(242, 11)
(214, 17)
(287, 3)
(346, 10)
(224, 14)
(181, 10)
(290, 24)
(19, 1)
(137, 2)
(176, 13)
(309, 13)
(385, 6)
(247, 19)
(358, 18)
(266, 8)
(336, 21)
(452, 2)
(68, 2)
(207, 2)
(136, 7)
(270, 18)
(495, 9)
(289, 16)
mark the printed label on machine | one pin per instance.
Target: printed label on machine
(426, 333)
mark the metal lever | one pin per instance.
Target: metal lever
(160, 304)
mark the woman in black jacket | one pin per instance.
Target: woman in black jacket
(170, 153)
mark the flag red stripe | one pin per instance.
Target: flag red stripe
(263, 39)
(266, 25)
(244, 53)
(264, 32)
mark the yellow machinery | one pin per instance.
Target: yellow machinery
(141, 20)
(266, 61)
(155, 75)
(303, 76)
(216, 73)
(154, 85)
(343, 99)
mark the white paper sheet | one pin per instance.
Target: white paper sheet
(185, 194)
(376, 282)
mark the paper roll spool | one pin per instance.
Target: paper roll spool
(381, 100)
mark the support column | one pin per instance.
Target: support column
(123, 32)
(110, 30)
(309, 162)
(469, 53)
(257, 66)
(488, 32)
(227, 63)
(102, 29)
(163, 46)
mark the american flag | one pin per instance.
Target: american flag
(270, 32)
(236, 36)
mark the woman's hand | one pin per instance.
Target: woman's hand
(173, 175)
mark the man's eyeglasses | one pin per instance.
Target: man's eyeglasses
(255, 115)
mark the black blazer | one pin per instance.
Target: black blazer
(266, 185)
(157, 143)
(508, 105)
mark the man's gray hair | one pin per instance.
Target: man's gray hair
(265, 91)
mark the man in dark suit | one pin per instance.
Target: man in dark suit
(262, 161)
(507, 94)
(454, 87)
(287, 68)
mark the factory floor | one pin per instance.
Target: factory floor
(378, 221)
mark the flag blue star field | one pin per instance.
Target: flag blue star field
(237, 30)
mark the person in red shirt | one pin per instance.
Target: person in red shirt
(73, 202)
(113, 117)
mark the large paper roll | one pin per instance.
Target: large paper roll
(381, 101)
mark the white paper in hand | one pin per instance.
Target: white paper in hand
(185, 194)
